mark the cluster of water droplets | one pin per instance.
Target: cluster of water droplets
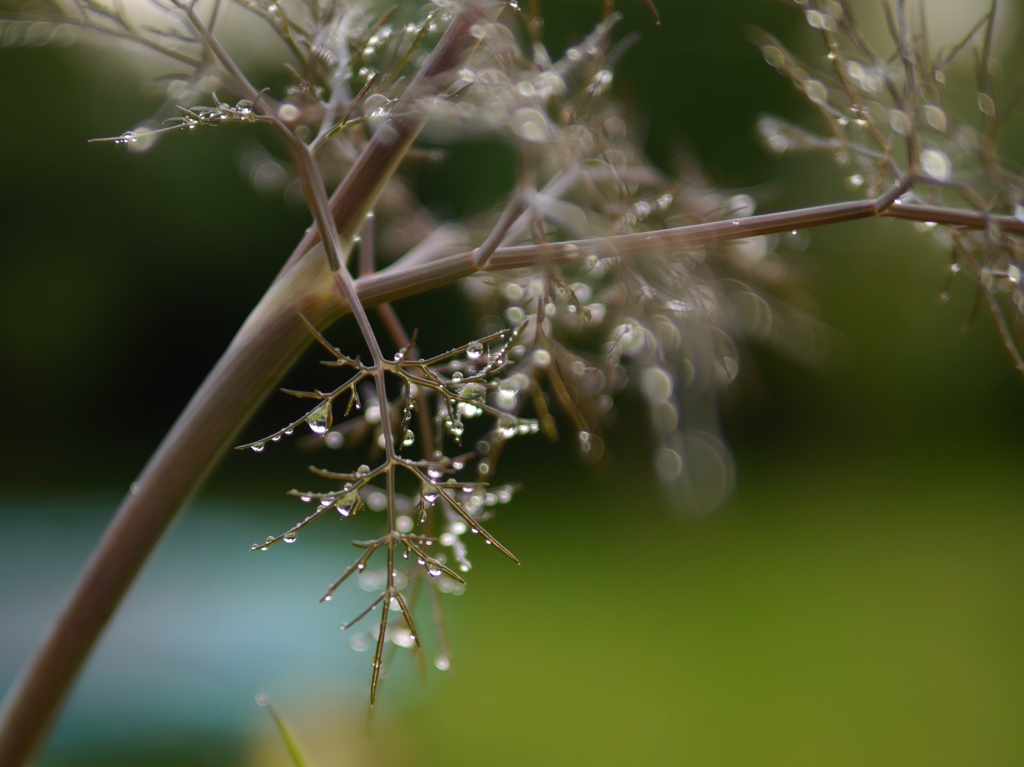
(601, 324)
(885, 116)
(890, 118)
(436, 503)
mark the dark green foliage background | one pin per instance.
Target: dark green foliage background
(858, 601)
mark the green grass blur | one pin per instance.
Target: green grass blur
(866, 613)
(859, 616)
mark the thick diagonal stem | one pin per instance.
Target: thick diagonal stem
(266, 346)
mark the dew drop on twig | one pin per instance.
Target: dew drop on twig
(319, 419)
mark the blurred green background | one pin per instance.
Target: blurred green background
(858, 600)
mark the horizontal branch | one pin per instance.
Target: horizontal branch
(968, 219)
(401, 281)
(265, 347)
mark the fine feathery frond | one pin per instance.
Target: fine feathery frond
(599, 273)
(891, 122)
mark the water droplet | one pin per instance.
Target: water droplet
(542, 357)
(936, 165)
(328, 598)
(935, 117)
(656, 384)
(456, 376)
(507, 427)
(258, 448)
(816, 91)
(468, 410)
(363, 470)
(530, 124)
(986, 104)
(289, 538)
(474, 350)
(319, 419)
(288, 113)
(442, 663)
(773, 55)
(409, 438)
(819, 20)
(376, 501)
(599, 84)
(899, 121)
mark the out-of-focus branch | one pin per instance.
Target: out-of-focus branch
(265, 347)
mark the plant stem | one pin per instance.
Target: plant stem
(265, 347)
(268, 343)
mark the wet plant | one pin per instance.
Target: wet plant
(446, 497)
(890, 120)
(600, 273)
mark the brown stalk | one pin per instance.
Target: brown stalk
(273, 338)
(268, 343)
